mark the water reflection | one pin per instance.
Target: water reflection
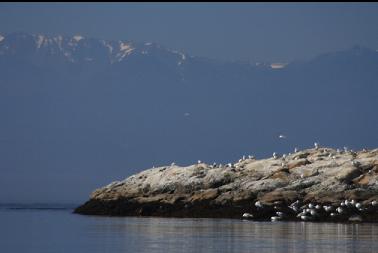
(222, 235)
(51, 231)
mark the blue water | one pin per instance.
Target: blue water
(58, 230)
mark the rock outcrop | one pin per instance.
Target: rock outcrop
(323, 177)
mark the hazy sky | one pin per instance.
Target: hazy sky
(60, 138)
(253, 31)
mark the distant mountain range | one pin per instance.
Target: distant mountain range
(106, 109)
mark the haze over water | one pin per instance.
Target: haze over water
(53, 231)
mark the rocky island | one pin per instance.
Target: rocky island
(317, 184)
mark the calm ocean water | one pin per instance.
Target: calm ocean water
(58, 230)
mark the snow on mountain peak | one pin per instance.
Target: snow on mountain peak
(124, 50)
(77, 38)
(278, 65)
(124, 46)
(39, 41)
(74, 49)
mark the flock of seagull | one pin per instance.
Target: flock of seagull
(347, 210)
(275, 156)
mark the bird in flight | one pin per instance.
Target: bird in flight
(281, 136)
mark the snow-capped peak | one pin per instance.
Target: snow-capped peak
(39, 41)
(278, 65)
(124, 50)
(77, 38)
(124, 46)
(72, 48)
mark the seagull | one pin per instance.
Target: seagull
(280, 214)
(295, 150)
(275, 218)
(199, 161)
(247, 215)
(274, 155)
(258, 204)
(304, 217)
(313, 212)
(281, 136)
(316, 145)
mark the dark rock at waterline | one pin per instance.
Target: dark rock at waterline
(322, 176)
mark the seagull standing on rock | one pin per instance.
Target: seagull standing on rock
(316, 145)
(258, 204)
(275, 155)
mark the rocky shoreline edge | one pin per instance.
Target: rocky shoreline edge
(318, 184)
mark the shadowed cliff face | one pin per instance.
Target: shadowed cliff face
(81, 112)
(323, 176)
